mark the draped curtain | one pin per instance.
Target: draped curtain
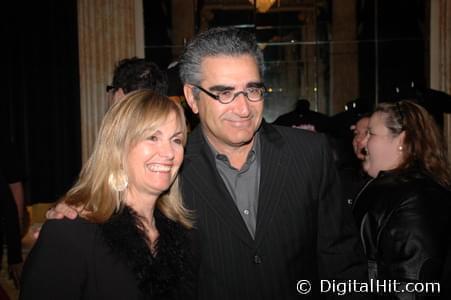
(40, 109)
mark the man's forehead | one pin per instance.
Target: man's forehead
(224, 67)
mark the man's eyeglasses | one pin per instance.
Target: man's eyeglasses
(253, 94)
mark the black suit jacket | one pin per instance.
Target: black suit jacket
(304, 230)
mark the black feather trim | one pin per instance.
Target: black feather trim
(160, 276)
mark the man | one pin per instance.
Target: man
(131, 74)
(353, 177)
(267, 201)
(360, 130)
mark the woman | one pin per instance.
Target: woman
(404, 212)
(129, 241)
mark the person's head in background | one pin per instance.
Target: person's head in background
(359, 131)
(131, 74)
(403, 135)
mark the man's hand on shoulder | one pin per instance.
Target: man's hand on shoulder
(61, 210)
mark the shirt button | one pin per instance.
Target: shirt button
(350, 201)
(246, 211)
(257, 260)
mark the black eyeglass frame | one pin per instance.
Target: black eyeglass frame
(217, 97)
(109, 88)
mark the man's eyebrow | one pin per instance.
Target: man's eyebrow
(221, 88)
(257, 84)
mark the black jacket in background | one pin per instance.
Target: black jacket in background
(405, 221)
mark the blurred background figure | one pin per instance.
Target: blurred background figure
(404, 212)
(11, 208)
(133, 74)
(352, 175)
(304, 118)
(359, 131)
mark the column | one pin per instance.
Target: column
(108, 30)
(440, 55)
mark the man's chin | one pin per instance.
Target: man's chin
(241, 140)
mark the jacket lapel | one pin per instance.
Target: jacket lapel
(199, 170)
(274, 166)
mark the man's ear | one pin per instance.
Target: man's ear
(118, 95)
(189, 96)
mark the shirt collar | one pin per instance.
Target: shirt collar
(255, 150)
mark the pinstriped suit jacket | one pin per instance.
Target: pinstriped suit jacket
(304, 230)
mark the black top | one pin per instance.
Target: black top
(77, 259)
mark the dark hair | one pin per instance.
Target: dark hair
(134, 73)
(229, 41)
(423, 142)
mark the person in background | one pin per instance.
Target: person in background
(131, 74)
(404, 212)
(130, 238)
(304, 118)
(353, 176)
(360, 131)
(11, 208)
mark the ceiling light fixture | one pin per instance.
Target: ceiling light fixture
(262, 5)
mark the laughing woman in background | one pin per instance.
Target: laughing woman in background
(404, 212)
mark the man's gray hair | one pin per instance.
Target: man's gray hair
(228, 41)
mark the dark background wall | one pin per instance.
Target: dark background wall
(401, 37)
(40, 104)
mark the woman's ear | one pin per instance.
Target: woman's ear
(400, 140)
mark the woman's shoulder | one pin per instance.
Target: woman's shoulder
(406, 192)
(406, 183)
(77, 230)
(69, 224)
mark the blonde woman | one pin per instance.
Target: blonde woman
(129, 241)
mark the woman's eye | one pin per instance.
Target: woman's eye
(178, 141)
(153, 138)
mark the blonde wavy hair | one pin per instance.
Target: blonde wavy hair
(123, 126)
(423, 143)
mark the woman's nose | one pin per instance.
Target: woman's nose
(166, 150)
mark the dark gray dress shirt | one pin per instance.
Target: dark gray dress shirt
(243, 184)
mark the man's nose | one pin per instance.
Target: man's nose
(241, 104)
